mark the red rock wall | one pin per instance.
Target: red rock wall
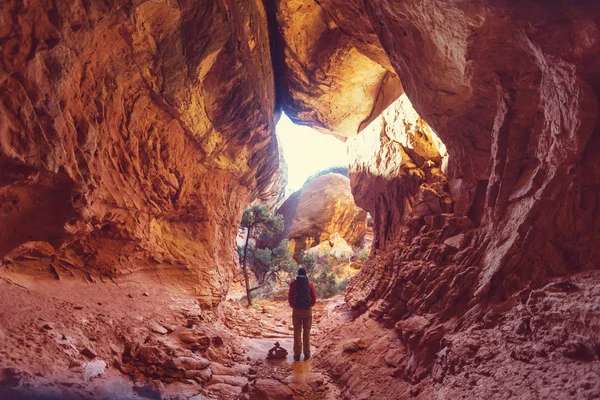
(132, 136)
(333, 79)
(397, 172)
(511, 88)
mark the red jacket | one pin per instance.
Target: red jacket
(313, 294)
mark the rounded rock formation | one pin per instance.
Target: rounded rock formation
(322, 207)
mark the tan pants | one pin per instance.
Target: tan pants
(302, 320)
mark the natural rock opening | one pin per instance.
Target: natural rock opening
(133, 136)
(323, 229)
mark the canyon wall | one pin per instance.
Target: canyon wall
(397, 171)
(335, 80)
(133, 134)
(511, 89)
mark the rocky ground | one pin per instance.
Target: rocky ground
(539, 344)
(77, 340)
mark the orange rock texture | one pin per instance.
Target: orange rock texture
(322, 207)
(133, 134)
(511, 89)
(333, 79)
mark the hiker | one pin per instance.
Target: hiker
(302, 297)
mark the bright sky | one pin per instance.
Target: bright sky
(307, 151)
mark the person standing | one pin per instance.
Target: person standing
(302, 298)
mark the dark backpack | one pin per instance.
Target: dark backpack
(303, 299)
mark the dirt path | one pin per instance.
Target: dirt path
(303, 379)
(142, 340)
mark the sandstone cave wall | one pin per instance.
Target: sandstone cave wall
(146, 127)
(511, 89)
(132, 135)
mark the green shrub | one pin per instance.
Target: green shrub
(342, 285)
(307, 261)
(325, 283)
(361, 254)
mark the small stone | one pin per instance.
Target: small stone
(270, 389)
(48, 326)
(145, 294)
(89, 353)
(158, 328)
(354, 345)
(464, 223)
(189, 363)
(238, 381)
(195, 340)
(201, 376)
(78, 307)
(455, 241)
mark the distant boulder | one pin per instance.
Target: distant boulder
(322, 207)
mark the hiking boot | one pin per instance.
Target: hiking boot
(306, 357)
(297, 357)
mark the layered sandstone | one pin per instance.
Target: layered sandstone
(397, 171)
(134, 133)
(333, 79)
(511, 90)
(520, 127)
(132, 137)
(322, 207)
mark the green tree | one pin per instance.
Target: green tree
(272, 263)
(307, 261)
(326, 284)
(250, 257)
(260, 223)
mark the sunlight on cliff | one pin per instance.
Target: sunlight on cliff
(307, 151)
(397, 140)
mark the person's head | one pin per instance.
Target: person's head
(301, 271)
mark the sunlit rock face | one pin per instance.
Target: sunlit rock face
(132, 136)
(397, 171)
(511, 89)
(332, 79)
(322, 207)
(273, 195)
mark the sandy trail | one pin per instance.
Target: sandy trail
(305, 380)
(70, 340)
